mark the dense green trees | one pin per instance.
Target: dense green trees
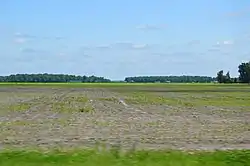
(227, 78)
(176, 79)
(244, 70)
(244, 75)
(51, 78)
(221, 78)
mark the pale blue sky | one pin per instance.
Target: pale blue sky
(118, 38)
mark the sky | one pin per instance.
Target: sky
(116, 39)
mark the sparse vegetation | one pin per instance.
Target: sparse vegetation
(87, 109)
(190, 99)
(20, 107)
(156, 116)
(111, 99)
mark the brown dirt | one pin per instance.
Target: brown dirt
(55, 119)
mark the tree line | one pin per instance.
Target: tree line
(243, 69)
(244, 75)
(166, 79)
(51, 78)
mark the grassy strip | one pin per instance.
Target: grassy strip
(190, 99)
(113, 157)
(160, 87)
(123, 84)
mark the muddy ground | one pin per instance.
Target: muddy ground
(82, 117)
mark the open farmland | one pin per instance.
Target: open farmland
(141, 116)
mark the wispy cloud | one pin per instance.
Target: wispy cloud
(27, 50)
(51, 38)
(175, 54)
(130, 45)
(228, 42)
(219, 45)
(59, 38)
(193, 42)
(118, 45)
(21, 38)
(239, 13)
(248, 36)
(34, 55)
(159, 54)
(225, 42)
(213, 49)
(151, 27)
(95, 47)
(182, 54)
(23, 35)
(32, 50)
(61, 54)
(177, 57)
(103, 47)
(72, 57)
(140, 46)
(122, 45)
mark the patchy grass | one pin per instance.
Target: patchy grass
(72, 104)
(80, 99)
(87, 109)
(190, 99)
(145, 98)
(110, 99)
(115, 157)
(20, 107)
(15, 123)
(158, 116)
(65, 107)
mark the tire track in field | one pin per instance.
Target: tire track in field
(130, 107)
(122, 102)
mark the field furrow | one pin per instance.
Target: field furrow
(83, 117)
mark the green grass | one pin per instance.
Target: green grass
(20, 107)
(189, 99)
(123, 84)
(142, 87)
(113, 157)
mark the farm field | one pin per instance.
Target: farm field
(127, 117)
(141, 116)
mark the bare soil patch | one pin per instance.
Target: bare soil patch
(81, 117)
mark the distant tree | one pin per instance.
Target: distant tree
(165, 79)
(51, 78)
(244, 71)
(235, 80)
(220, 77)
(227, 78)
